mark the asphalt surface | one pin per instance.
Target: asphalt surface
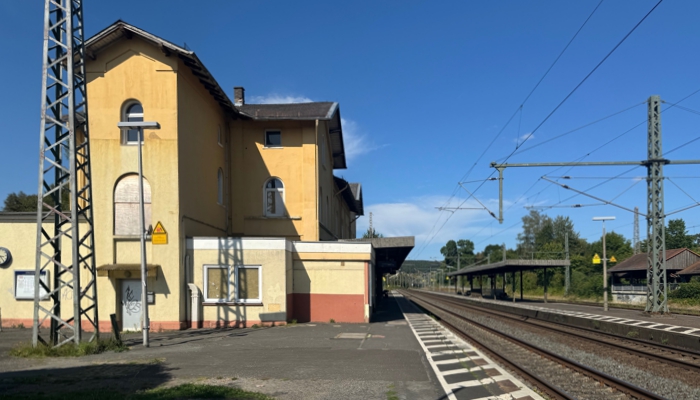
(303, 361)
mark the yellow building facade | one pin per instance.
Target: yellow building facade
(259, 228)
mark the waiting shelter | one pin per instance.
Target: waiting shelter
(502, 268)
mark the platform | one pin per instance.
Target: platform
(464, 372)
(378, 360)
(674, 329)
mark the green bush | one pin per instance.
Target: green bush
(686, 291)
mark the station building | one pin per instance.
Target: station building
(260, 227)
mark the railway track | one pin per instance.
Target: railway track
(681, 358)
(539, 366)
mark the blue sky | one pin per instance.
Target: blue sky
(424, 87)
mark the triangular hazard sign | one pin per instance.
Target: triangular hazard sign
(613, 259)
(159, 229)
(596, 259)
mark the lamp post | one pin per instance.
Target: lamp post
(140, 126)
(605, 263)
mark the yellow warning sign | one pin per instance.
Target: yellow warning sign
(596, 259)
(613, 259)
(159, 235)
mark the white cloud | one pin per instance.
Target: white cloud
(276, 98)
(356, 143)
(523, 138)
(418, 218)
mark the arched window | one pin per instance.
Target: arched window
(274, 198)
(220, 187)
(133, 112)
(126, 205)
(219, 139)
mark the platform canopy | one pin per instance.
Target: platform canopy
(509, 266)
(389, 252)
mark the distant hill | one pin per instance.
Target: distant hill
(419, 265)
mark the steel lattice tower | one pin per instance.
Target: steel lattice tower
(64, 168)
(656, 253)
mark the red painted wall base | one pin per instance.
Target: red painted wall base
(324, 307)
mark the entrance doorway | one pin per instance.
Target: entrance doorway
(131, 304)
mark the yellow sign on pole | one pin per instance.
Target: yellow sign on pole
(596, 259)
(613, 259)
(159, 235)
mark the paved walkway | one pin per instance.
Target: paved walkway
(305, 361)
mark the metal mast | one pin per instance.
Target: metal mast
(656, 250)
(64, 168)
(635, 239)
(656, 270)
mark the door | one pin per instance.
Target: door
(131, 305)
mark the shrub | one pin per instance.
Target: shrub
(686, 291)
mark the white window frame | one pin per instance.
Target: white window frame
(220, 186)
(125, 117)
(260, 286)
(282, 195)
(278, 146)
(232, 280)
(205, 294)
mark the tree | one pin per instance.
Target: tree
(677, 236)
(616, 245)
(533, 231)
(371, 233)
(449, 251)
(22, 202)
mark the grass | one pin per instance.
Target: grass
(391, 394)
(185, 391)
(26, 350)
(332, 321)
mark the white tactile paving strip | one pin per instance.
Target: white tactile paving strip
(464, 372)
(686, 330)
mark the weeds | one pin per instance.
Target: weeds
(633, 334)
(332, 321)
(26, 350)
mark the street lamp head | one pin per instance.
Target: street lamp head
(603, 218)
(139, 124)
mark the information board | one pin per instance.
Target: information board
(24, 285)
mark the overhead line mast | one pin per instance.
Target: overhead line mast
(657, 288)
(64, 167)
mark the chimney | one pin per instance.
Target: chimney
(238, 96)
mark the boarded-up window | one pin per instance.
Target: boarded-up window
(248, 283)
(126, 206)
(217, 283)
(274, 198)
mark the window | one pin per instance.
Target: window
(220, 187)
(249, 285)
(274, 198)
(219, 139)
(216, 283)
(226, 284)
(273, 139)
(126, 205)
(133, 112)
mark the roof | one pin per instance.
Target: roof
(357, 192)
(121, 29)
(509, 266)
(346, 191)
(638, 262)
(390, 252)
(692, 269)
(296, 111)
